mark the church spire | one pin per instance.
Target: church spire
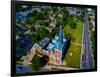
(60, 36)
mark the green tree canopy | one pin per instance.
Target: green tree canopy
(72, 23)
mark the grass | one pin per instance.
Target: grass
(73, 55)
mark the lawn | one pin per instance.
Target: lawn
(73, 55)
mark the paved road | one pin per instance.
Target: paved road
(87, 58)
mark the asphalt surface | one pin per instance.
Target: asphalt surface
(87, 57)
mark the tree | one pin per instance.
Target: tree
(54, 9)
(19, 8)
(64, 23)
(42, 32)
(34, 13)
(31, 20)
(81, 18)
(67, 13)
(72, 23)
(36, 62)
(40, 16)
(93, 41)
(58, 23)
(89, 18)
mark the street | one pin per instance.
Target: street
(87, 57)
